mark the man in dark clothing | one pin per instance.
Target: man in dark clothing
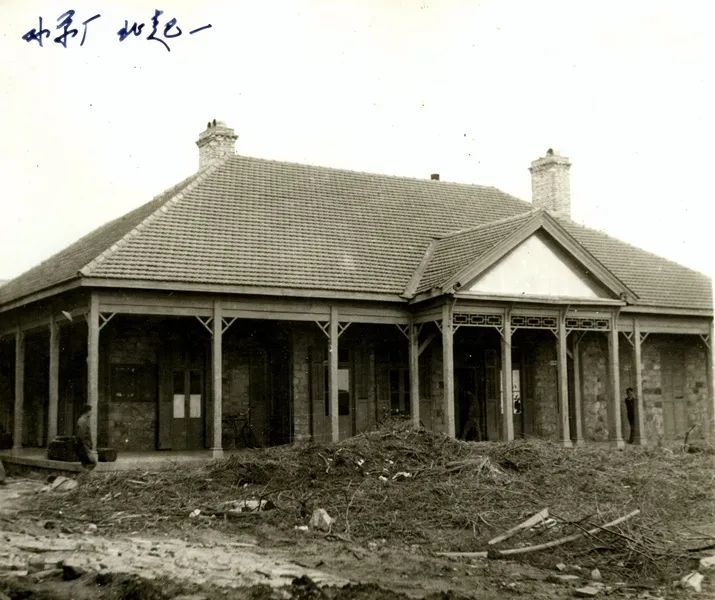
(631, 413)
(83, 438)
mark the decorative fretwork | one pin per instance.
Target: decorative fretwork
(587, 324)
(534, 322)
(477, 320)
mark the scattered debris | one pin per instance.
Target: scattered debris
(693, 581)
(554, 578)
(588, 591)
(194, 513)
(596, 575)
(321, 520)
(707, 563)
(61, 484)
(559, 566)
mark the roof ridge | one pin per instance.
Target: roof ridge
(184, 187)
(356, 172)
(530, 213)
(414, 282)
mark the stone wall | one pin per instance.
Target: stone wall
(546, 396)
(130, 424)
(595, 386)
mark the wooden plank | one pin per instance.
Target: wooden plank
(506, 396)
(333, 375)
(414, 357)
(93, 365)
(217, 380)
(668, 324)
(539, 517)
(448, 369)
(640, 433)
(578, 393)
(563, 383)
(211, 288)
(54, 388)
(19, 389)
(614, 405)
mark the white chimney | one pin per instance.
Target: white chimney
(550, 184)
(215, 143)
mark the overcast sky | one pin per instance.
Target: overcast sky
(472, 90)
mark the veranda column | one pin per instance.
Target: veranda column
(93, 366)
(54, 388)
(217, 380)
(578, 417)
(414, 357)
(614, 407)
(711, 383)
(563, 383)
(507, 408)
(640, 435)
(448, 369)
(333, 375)
(19, 389)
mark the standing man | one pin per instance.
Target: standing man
(83, 438)
(631, 413)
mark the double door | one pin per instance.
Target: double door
(182, 399)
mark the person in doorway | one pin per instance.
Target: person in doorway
(631, 413)
(83, 438)
(471, 430)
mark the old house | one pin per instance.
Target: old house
(311, 302)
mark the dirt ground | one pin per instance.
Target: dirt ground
(81, 544)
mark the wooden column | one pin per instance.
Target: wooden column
(333, 375)
(640, 435)
(93, 366)
(414, 357)
(507, 407)
(54, 388)
(19, 389)
(614, 407)
(448, 370)
(563, 382)
(710, 430)
(217, 380)
(578, 397)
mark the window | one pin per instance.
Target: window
(343, 383)
(133, 383)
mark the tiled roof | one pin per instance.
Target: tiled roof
(66, 264)
(656, 281)
(455, 251)
(253, 222)
(266, 223)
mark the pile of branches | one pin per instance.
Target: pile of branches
(407, 487)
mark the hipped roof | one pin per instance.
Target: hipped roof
(255, 222)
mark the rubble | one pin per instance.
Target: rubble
(321, 520)
(588, 591)
(693, 581)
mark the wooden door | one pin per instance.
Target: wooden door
(187, 424)
(182, 396)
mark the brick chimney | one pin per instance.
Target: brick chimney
(550, 184)
(215, 143)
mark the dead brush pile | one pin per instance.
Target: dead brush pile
(413, 487)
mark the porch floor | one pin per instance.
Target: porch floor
(150, 460)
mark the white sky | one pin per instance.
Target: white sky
(472, 90)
